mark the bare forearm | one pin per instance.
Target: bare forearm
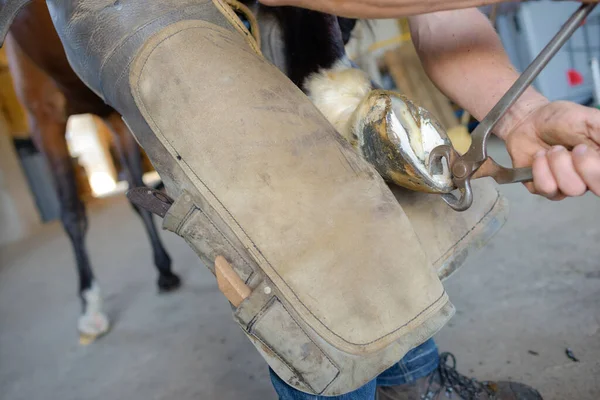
(380, 8)
(464, 57)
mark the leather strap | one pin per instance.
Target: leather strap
(150, 200)
(227, 8)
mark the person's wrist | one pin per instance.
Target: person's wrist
(528, 103)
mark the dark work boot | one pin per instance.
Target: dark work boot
(447, 383)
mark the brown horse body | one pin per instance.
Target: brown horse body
(51, 92)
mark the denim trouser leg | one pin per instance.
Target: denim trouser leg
(417, 363)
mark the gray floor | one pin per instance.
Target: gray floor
(521, 302)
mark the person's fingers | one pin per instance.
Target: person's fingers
(564, 172)
(569, 124)
(531, 187)
(587, 164)
(543, 180)
(558, 197)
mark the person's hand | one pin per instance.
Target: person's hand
(561, 141)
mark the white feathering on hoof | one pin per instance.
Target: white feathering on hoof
(93, 322)
(345, 96)
(337, 92)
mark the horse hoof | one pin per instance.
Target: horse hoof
(168, 282)
(91, 326)
(396, 137)
(388, 130)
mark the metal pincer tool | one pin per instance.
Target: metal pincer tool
(475, 163)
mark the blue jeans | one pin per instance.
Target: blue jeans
(417, 363)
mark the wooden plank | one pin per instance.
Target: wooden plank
(9, 104)
(418, 78)
(395, 64)
(407, 71)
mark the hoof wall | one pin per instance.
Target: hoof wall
(91, 326)
(85, 339)
(397, 138)
(168, 283)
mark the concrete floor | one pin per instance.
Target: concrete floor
(533, 292)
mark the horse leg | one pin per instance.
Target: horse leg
(49, 137)
(317, 63)
(130, 154)
(345, 95)
(313, 42)
(45, 106)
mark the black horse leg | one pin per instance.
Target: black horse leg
(50, 140)
(313, 41)
(49, 136)
(131, 158)
(316, 62)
